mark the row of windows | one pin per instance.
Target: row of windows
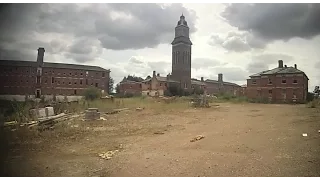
(184, 58)
(284, 81)
(5, 70)
(70, 83)
(75, 73)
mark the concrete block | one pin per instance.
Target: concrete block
(49, 111)
(41, 112)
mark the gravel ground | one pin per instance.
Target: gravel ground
(239, 140)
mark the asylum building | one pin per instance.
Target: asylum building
(21, 80)
(282, 84)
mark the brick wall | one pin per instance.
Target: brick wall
(278, 88)
(130, 87)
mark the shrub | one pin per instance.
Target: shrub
(92, 93)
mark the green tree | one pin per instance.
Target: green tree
(118, 88)
(92, 93)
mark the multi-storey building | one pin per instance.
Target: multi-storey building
(21, 80)
(281, 84)
(219, 86)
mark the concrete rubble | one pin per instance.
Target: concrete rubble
(108, 155)
(92, 114)
(197, 138)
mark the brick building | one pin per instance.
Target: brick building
(131, 87)
(181, 71)
(215, 87)
(281, 84)
(35, 79)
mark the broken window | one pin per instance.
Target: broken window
(284, 81)
(160, 84)
(80, 81)
(75, 92)
(254, 81)
(295, 81)
(103, 74)
(69, 83)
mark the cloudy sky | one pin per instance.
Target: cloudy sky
(234, 39)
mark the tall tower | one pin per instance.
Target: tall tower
(181, 54)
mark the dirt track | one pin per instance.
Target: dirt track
(240, 140)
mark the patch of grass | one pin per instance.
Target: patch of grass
(314, 103)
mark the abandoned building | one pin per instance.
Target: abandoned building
(21, 80)
(219, 86)
(281, 84)
(181, 72)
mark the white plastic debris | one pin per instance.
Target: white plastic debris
(318, 131)
(304, 134)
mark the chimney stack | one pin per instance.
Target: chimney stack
(40, 56)
(220, 79)
(280, 64)
(295, 66)
(201, 79)
(158, 74)
(154, 74)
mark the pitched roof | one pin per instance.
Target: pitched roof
(129, 82)
(216, 82)
(284, 70)
(197, 82)
(51, 65)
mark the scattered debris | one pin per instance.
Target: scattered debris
(103, 119)
(318, 131)
(200, 101)
(116, 111)
(197, 138)
(92, 114)
(304, 134)
(108, 155)
(139, 108)
(158, 132)
(75, 126)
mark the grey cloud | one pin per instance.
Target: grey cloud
(198, 63)
(275, 21)
(263, 61)
(231, 73)
(237, 42)
(135, 60)
(116, 26)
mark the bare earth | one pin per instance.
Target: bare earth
(240, 140)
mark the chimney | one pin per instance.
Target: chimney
(285, 66)
(40, 56)
(280, 64)
(154, 74)
(220, 77)
(158, 74)
(201, 79)
(295, 66)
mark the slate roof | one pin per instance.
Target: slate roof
(284, 70)
(215, 81)
(197, 82)
(51, 65)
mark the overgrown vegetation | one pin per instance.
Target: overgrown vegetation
(315, 103)
(92, 93)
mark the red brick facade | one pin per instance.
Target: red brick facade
(130, 87)
(282, 84)
(34, 78)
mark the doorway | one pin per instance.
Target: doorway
(38, 93)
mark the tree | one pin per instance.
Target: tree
(316, 91)
(148, 77)
(118, 88)
(92, 93)
(111, 83)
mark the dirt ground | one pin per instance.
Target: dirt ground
(240, 140)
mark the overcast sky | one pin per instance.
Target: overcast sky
(234, 39)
